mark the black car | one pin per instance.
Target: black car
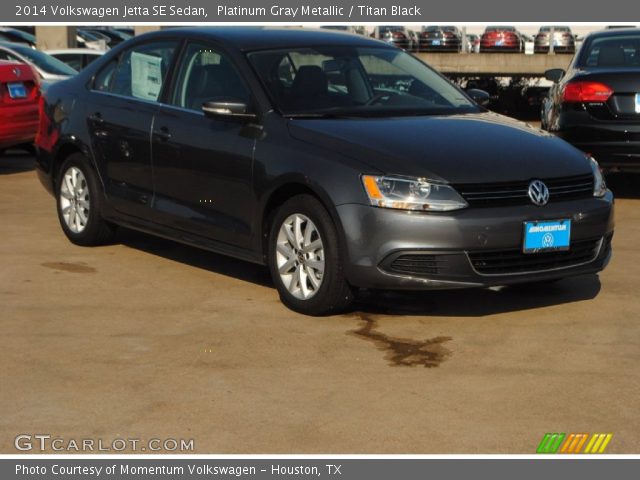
(336, 160)
(438, 38)
(595, 104)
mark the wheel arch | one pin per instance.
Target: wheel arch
(284, 190)
(65, 149)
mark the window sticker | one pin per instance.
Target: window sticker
(146, 76)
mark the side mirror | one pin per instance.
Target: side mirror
(228, 108)
(481, 97)
(554, 75)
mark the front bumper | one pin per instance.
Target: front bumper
(375, 237)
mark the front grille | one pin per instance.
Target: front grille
(502, 262)
(416, 264)
(516, 193)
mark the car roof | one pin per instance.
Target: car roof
(615, 32)
(265, 38)
(12, 45)
(85, 51)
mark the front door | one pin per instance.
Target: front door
(202, 164)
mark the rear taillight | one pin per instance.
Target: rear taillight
(398, 35)
(583, 91)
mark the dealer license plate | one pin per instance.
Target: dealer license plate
(547, 236)
(17, 90)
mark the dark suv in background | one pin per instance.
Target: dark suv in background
(338, 161)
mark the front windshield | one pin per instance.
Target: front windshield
(45, 62)
(325, 81)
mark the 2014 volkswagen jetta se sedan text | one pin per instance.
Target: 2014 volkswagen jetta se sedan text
(336, 160)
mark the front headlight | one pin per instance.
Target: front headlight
(599, 185)
(407, 193)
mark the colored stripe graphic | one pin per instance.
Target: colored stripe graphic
(598, 443)
(550, 443)
(574, 443)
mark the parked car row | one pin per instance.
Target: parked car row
(449, 38)
(95, 38)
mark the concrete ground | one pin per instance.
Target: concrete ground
(150, 339)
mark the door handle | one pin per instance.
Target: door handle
(163, 134)
(96, 118)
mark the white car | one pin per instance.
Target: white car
(48, 68)
(76, 58)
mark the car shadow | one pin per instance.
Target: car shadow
(16, 161)
(196, 257)
(453, 303)
(624, 185)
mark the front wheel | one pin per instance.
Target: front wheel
(305, 258)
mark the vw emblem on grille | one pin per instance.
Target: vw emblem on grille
(538, 192)
(17, 72)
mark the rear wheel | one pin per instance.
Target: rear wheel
(305, 258)
(80, 203)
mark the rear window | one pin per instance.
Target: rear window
(557, 29)
(616, 51)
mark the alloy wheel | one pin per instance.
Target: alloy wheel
(74, 200)
(300, 256)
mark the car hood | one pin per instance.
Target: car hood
(469, 148)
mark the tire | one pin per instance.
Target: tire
(80, 204)
(311, 282)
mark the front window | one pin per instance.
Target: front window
(347, 81)
(206, 76)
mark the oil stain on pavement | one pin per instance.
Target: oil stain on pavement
(403, 352)
(69, 267)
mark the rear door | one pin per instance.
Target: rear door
(120, 110)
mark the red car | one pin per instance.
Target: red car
(19, 96)
(501, 39)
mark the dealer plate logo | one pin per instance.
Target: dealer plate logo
(547, 240)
